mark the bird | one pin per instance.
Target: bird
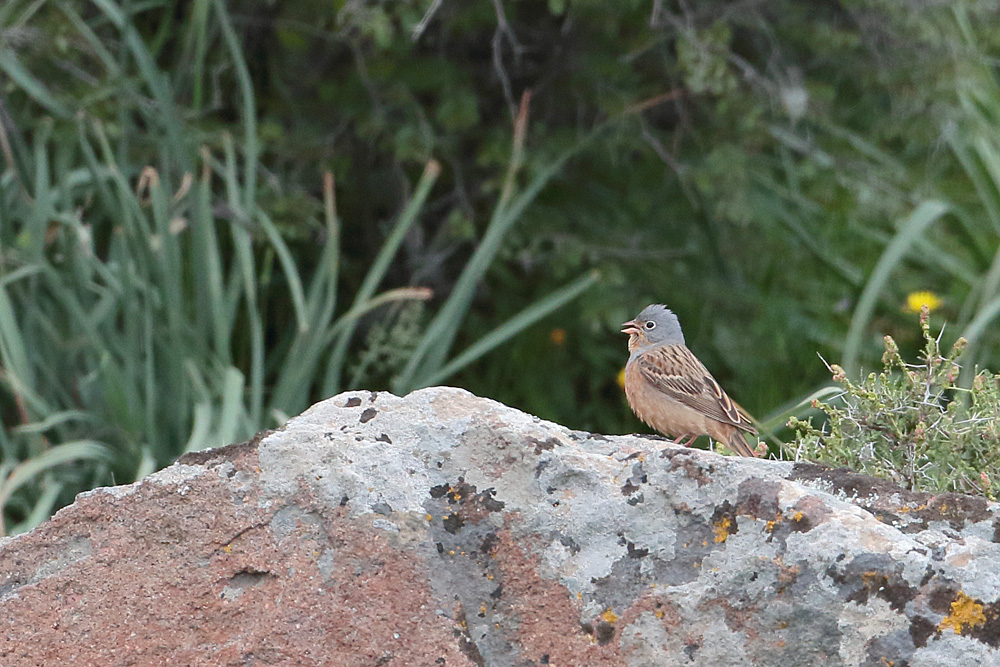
(671, 391)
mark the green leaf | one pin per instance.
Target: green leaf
(910, 230)
(511, 328)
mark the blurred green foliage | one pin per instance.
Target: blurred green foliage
(781, 174)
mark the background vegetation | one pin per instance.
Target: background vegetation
(213, 214)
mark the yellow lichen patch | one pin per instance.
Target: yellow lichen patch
(722, 529)
(609, 616)
(965, 612)
(659, 613)
(797, 516)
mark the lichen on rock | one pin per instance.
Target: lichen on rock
(443, 528)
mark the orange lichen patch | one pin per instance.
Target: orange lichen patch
(721, 529)
(647, 603)
(905, 509)
(870, 577)
(797, 516)
(965, 612)
(608, 616)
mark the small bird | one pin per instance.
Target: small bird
(669, 389)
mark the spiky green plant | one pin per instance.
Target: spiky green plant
(911, 423)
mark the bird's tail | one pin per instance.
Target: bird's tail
(738, 443)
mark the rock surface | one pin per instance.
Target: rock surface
(446, 529)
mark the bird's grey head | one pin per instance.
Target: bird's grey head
(655, 325)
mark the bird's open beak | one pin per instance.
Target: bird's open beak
(631, 328)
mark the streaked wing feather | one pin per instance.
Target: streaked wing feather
(674, 370)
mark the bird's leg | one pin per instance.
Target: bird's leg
(684, 440)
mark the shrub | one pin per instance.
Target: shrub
(915, 424)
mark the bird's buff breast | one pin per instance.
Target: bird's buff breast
(661, 412)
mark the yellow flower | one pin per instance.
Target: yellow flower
(917, 300)
(621, 378)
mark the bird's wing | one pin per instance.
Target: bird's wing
(675, 371)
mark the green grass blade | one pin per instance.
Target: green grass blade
(232, 408)
(911, 228)
(434, 344)
(13, 349)
(984, 316)
(212, 312)
(201, 428)
(93, 41)
(511, 328)
(42, 507)
(35, 89)
(377, 272)
(251, 149)
(58, 455)
(147, 464)
(288, 267)
(56, 419)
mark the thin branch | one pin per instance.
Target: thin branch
(502, 32)
(8, 153)
(418, 29)
(664, 154)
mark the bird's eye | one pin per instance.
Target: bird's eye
(650, 325)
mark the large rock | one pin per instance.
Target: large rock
(445, 529)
